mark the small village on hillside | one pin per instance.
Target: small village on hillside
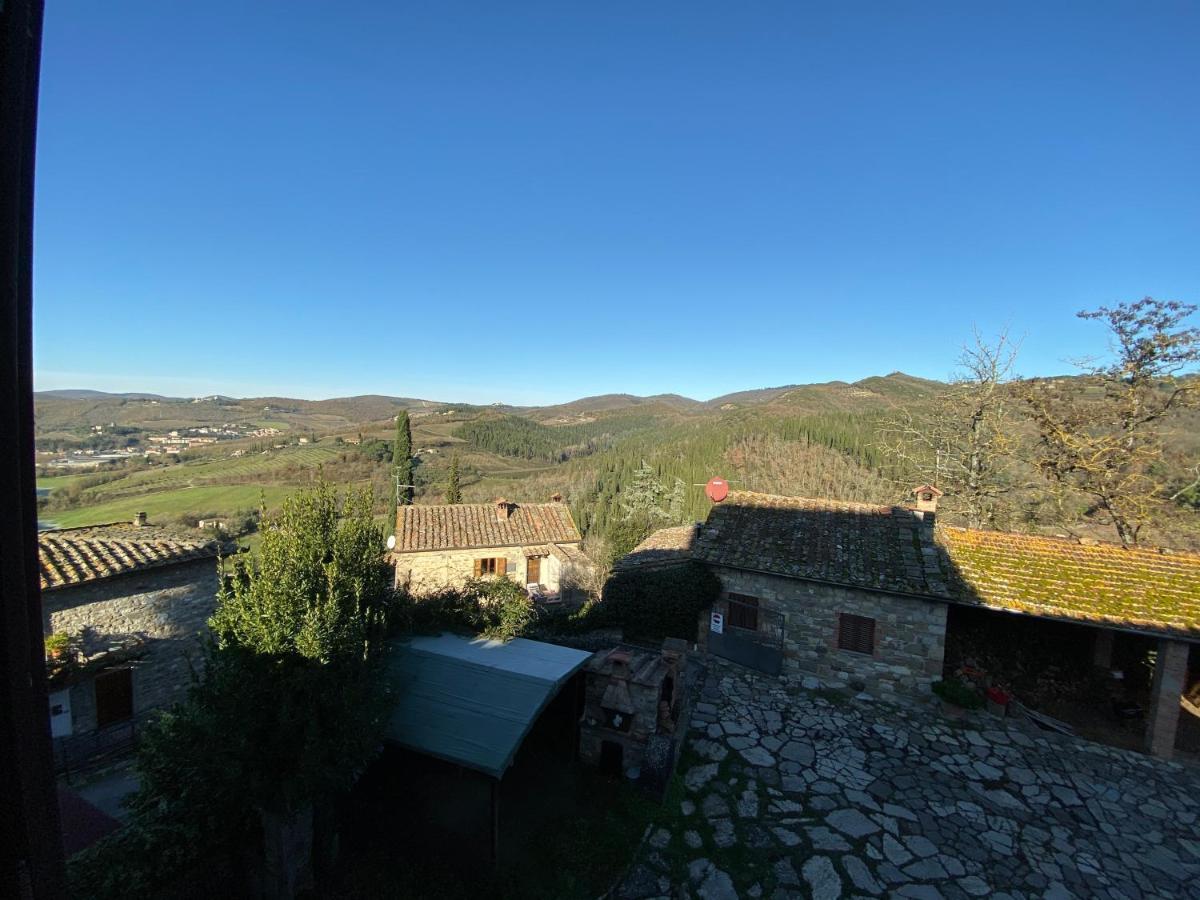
(547, 451)
(789, 695)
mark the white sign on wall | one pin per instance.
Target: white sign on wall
(717, 623)
(60, 713)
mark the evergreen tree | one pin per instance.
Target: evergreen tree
(292, 690)
(453, 492)
(643, 498)
(402, 467)
(677, 502)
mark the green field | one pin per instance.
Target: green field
(60, 481)
(162, 505)
(205, 486)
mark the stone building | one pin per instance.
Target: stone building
(531, 543)
(134, 602)
(858, 594)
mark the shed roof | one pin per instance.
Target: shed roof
(471, 701)
(465, 526)
(80, 555)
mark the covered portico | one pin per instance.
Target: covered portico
(1153, 594)
(1166, 689)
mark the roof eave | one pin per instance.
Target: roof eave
(399, 552)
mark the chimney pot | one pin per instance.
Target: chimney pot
(556, 498)
(139, 520)
(926, 499)
(502, 509)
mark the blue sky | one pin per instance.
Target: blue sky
(534, 202)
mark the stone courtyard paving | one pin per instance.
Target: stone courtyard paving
(793, 792)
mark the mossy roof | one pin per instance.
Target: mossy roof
(1103, 584)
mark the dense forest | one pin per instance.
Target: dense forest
(522, 438)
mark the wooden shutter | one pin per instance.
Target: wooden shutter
(856, 633)
(478, 567)
(743, 611)
(502, 566)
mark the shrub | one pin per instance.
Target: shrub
(658, 603)
(495, 608)
(959, 693)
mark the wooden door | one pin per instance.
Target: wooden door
(114, 697)
(533, 570)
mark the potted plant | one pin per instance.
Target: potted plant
(997, 700)
(957, 696)
(58, 645)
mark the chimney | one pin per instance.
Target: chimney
(503, 509)
(926, 501)
(139, 521)
(556, 498)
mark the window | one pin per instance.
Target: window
(496, 565)
(743, 612)
(856, 633)
(114, 697)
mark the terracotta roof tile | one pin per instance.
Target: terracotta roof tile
(464, 526)
(666, 546)
(80, 555)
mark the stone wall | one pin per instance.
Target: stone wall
(436, 569)
(910, 634)
(168, 607)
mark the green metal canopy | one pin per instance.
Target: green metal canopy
(471, 701)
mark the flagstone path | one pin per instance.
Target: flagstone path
(804, 792)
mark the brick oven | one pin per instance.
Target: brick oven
(633, 703)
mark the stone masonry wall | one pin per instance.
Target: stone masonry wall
(436, 569)
(169, 607)
(593, 733)
(910, 634)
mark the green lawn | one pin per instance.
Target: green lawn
(217, 486)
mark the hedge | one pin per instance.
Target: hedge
(652, 604)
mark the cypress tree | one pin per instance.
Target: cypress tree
(402, 467)
(453, 492)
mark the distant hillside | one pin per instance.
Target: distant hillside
(84, 394)
(743, 398)
(609, 402)
(898, 385)
(77, 407)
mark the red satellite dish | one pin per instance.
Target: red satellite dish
(717, 489)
